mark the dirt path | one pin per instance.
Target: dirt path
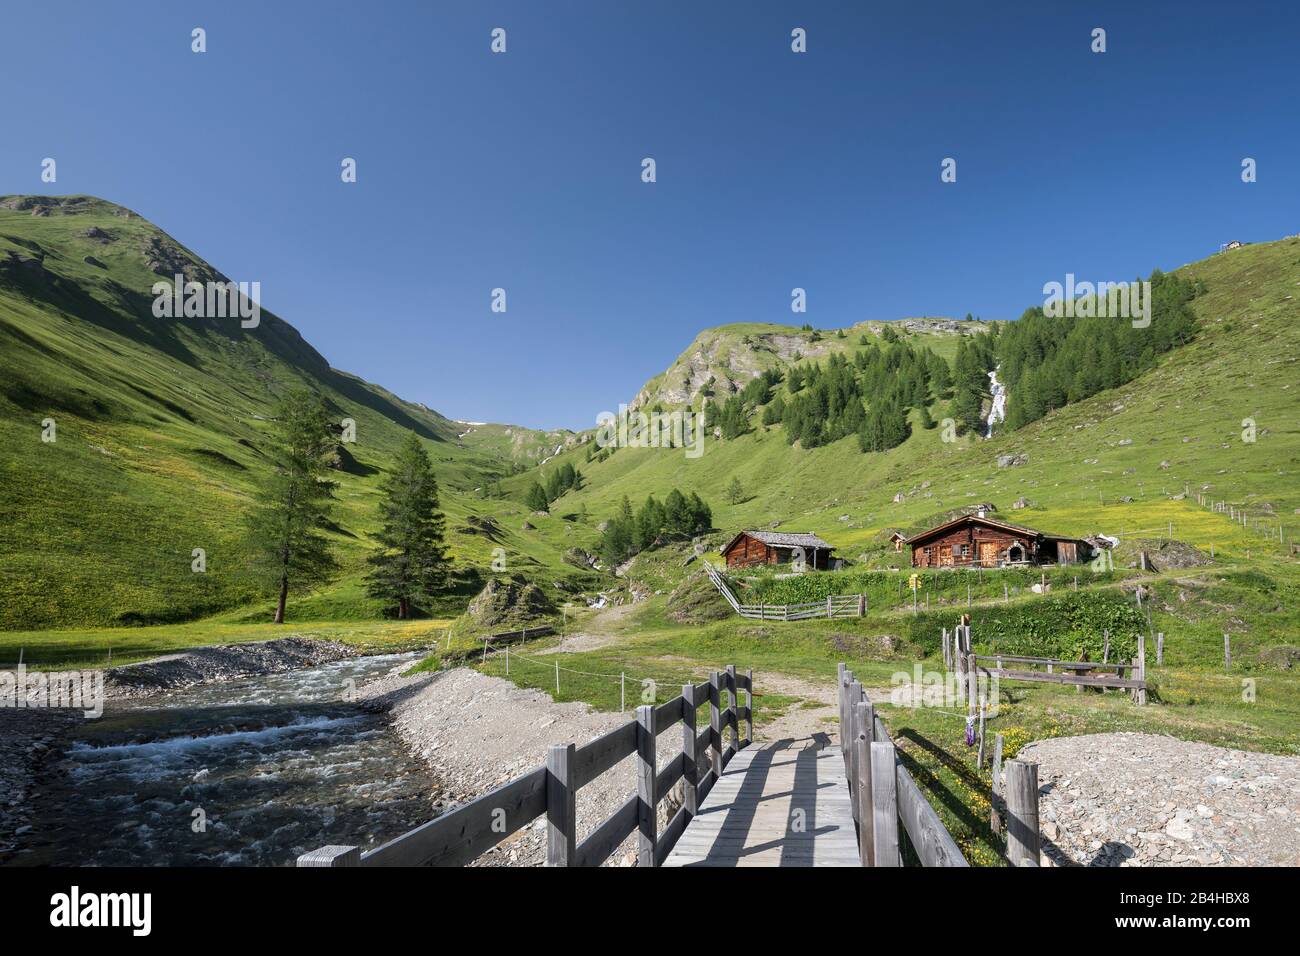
(599, 631)
(815, 717)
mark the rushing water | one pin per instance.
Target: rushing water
(249, 772)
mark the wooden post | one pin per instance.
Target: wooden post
(972, 682)
(485, 644)
(622, 692)
(749, 707)
(945, 650)
(715, 724)
(1023, 840)
(828, 605)
(884, 805)
(1160, 649)
(1142, 669)
(645, 785)
(865, 721)
(561, 806)
(995, 813)
(851, 735)
(507, 660)
(733, 702)
(843, 698)
(332, 856)
(979, 760)
(557, 678)
(862, 605)
(1105, 651)
(1227, 651)
(690, 774)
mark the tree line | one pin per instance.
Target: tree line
(629, 533)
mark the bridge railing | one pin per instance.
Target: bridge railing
(464, 833)
(883, 793)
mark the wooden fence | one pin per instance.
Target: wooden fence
(959, 656)
(882, 792)
(836, 605)
(460, 835)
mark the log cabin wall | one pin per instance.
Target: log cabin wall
(749, 552)
(972, 544)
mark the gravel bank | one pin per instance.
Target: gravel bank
(27, 739)
(221, 662)
(1150, 800)
(477, 732)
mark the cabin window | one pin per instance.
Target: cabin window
(963, 552)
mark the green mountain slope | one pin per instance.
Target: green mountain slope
(1177, 428)
(722, 360)
(158, 426)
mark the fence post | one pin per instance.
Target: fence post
(866, 722)
(561, 806)
(1160, 649)
(690, 773)
(715, 724)
(733, 703)
(828, 606)
(1141, 662)
(862, 602)
(972, 682)
(1023, 841)
(332, 856)
(1105, 651)
(995, 816)
(979, 760)
(848, 742)
(645, 786)
(1227, 651)
(845, 677)
(749, 706)
(884, 804)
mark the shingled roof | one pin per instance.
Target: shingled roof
(782, 539)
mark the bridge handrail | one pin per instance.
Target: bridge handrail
(882, 791)
(460, 835)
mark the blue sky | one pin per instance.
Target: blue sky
(775, 170)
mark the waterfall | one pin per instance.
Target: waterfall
(998, 411)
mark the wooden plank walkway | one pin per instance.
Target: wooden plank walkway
(783, 804)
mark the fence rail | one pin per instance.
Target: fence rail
(836, 605)
(460, 835)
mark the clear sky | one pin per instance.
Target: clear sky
(522, 170)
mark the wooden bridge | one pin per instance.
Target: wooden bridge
(788, 803)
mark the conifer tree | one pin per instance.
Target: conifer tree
(410, 565)
(291, 509)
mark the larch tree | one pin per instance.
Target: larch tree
(410, 565)
(291, 510)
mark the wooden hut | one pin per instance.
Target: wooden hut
(753, 548)
(977, 541)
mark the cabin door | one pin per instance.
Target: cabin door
(1066, 553)
(945, 556)
(989, 554)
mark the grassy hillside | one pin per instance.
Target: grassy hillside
(159, 427)
(1178, 427)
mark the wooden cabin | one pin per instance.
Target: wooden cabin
(977, 541)
(754, 548)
